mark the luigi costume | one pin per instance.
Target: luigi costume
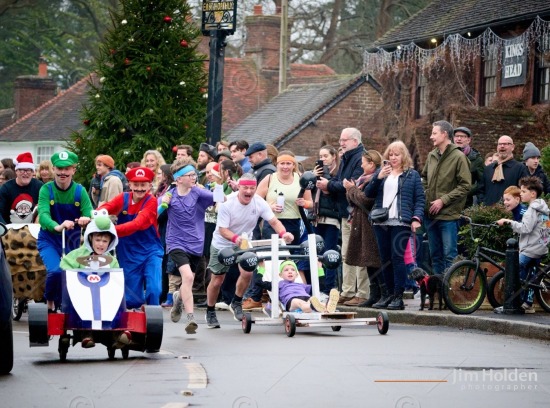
(139, 251)
(55, 206)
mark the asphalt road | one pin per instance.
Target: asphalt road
(410, 367)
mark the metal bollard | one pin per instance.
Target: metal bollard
(512, 298)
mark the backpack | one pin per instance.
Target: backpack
(121, 176)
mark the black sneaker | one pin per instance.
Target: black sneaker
(212, 320)
(237, 310)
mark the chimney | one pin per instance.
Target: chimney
(262, 39)
(32, 91)
(42, 67)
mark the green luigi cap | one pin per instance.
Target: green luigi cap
(285, 263)
(64, 159)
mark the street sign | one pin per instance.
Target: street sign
(219, 16)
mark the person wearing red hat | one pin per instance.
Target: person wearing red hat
(19, 196)
(139, 250)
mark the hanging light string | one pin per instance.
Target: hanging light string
(459, 49)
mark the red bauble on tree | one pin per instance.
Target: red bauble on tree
(148, 69)
(167, 19)
(127, 61)
(184, 43)
(86, 122)
(175, 149)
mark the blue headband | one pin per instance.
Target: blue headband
(183, 171)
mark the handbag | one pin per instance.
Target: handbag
(379, 215)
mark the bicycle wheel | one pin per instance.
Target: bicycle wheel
(542, 292)
(464, 289)
(495, 289)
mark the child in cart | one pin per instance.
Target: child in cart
(297, 296)
(100, 238)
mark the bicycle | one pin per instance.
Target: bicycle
(465, 282)
(540, 284)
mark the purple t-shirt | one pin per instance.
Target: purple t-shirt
(289, 290)
(185, 228)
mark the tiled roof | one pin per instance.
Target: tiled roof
(6, 117)
(53, 121)
(285, 113)
(444, 17)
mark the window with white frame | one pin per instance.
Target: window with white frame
(44, 153)
(490, 66)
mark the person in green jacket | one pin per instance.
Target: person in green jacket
(447, 181)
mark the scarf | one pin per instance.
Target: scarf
(498, 175)
(466, 150)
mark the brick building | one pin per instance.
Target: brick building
(307, 117)
(480, 64)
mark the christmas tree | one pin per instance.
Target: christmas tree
(149, 88)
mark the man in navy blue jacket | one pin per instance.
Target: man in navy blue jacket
(355, 280)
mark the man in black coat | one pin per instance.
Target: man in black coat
(501, 174)
(354, 278)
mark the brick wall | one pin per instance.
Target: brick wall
(31, 92)
(487, 125)
(361, 109)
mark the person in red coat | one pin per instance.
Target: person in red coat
(139, 251)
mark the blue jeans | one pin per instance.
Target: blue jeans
(392, 241)
(526, 266)
(442, 239)
(330, 234)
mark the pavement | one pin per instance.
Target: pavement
(531, 326)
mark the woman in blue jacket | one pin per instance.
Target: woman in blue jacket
(396, 186)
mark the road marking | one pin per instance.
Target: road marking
(411, 381)
(197, 375)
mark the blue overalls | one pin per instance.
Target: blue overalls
(50, 244)
(140, 255)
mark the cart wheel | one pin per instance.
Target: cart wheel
(18, 307)
(38, 324)
(125, 353)
(382, 322)
(64, 343)
(336, 328)
(111, 353)
(154, 326)
(247, 323)
(290, 325)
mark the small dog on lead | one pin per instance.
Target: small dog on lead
(429, 284)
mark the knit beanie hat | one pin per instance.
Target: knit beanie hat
(530, 150)
(106, 160)
(285, 263)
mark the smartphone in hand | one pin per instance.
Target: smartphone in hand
(319, 163)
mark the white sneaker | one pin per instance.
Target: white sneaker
(177, 309)
(222, 306)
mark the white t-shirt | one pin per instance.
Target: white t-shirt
(239, 218)
(390, 190)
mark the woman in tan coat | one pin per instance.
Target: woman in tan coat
(362, 249)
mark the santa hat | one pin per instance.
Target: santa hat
(24, 161)
(216, 171)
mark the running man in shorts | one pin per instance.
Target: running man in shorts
(238, 215)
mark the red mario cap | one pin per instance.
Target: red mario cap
(140, 174)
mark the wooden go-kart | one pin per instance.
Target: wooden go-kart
(93, 305)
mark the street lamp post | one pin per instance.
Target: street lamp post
(218, 21)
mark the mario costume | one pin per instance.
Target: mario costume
(140, 251)
(54, 207)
